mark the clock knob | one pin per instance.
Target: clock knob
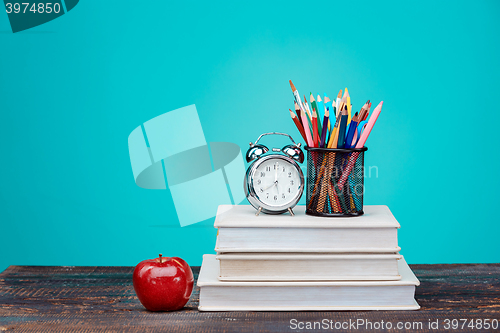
(255, 151)
(294, 152)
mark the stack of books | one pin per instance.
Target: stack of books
(301, 262)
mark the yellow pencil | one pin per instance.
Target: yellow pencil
(349, 106)
(337, 102)
(334, 137)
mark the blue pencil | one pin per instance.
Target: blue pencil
(325, 128)
(352, 128)
(342, 126)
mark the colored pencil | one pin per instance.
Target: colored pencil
(330, 128)
(326, 186)
(303, 117)
(361, 125)
(328, 106)
(307, 131)
(360, 144)
(352, 129)
(337, 101)
(361, 115)
(296, 95)
(325, 128)
(299, 126)
(321, 112)
(309, 113)
(312, 101)
(314, 105)
(343, 102)
(348, 101)
(297, 111)
(332, 142)
(314, 121)
(363, 110)
(369, 127)
(367, 111)
(342, 126)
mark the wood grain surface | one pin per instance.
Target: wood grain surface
(102, 299)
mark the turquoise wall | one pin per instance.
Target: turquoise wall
(73, 89)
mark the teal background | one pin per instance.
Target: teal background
(72, 90)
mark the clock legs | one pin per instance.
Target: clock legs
(258, 211)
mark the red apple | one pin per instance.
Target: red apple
(163, 284)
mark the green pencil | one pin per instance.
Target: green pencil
(315, 107)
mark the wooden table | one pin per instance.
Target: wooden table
(92, 299)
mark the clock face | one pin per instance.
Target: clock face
(276, 182)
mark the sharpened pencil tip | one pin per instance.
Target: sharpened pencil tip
(344, 111)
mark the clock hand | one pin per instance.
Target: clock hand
(276, 174)
(276, 178)
(267, 188)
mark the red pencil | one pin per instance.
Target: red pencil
(297, 111)
(299, 126)
(314, 122)
(367, 111)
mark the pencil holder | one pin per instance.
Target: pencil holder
(335, 182)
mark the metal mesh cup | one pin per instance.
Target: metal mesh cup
(335, 181)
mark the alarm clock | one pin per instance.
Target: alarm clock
(274, 182)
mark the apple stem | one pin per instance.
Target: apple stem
(160, 258)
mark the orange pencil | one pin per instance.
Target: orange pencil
(299, 126)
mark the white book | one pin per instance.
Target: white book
(239, 230)
(218, 295)
(307, 267)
